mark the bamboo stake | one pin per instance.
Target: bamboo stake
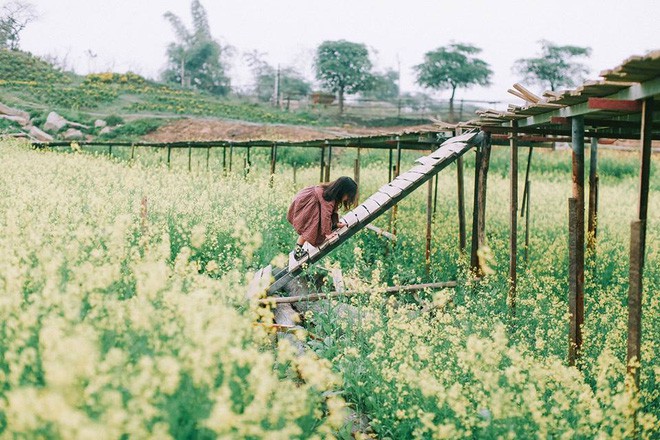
(320, 296)
(429, 219)
(462, 235)
(513, 220)
(578, 194)
(524, 197)
(593, 196)
(529, 192)
(574, 335)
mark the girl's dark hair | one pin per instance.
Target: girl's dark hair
(338, 189)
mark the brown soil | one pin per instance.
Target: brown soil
(214, 129)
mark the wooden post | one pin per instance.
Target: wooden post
(397, 170)
(327, 166)
(524, 197)
(638, 246)
(322, 164)
(231, 156)
(295, 168)
(169, 155)
(593, 196)
(435, 193)
(273, 158)
(189, 158)
(389, 172)
(462, 239)
(513, 218)
(429, 219)
(208, 156)
(574, 331)
(356, 169)
(132, 151)
(249, 162)
(110, 150)
(479, 215)
(577, 134)
(224, 159)
(529, 194)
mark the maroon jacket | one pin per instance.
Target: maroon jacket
(311, 215)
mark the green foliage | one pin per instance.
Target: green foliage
(22, 68)
(453, 66)
(195, 59)
(384, 86)
(343, 67)
(134, 129)
(113, 120)
(555, 66)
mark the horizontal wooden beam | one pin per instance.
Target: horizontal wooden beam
(624, 105)
(634, 92)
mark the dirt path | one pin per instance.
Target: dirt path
(217, 129)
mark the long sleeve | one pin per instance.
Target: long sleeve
(327, 211)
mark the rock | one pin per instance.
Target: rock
(105, 130)
(100, 123)
(73, 133)
(6, 110)
(20, 119)
(54, 122)
(40, 135)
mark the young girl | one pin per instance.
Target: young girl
(313, 212)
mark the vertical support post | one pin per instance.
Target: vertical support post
(356, 168)
(249, 162)
(231, 156)
(513, 218)
(273, 158)
(395, 209)
(527, 220)
(224, 159)
(208, 156)
(132, 151)
(479, 215)
(389, 172)
(573, 326)
(429, 219)
(435, 193)
(169, 155)
(638, 247)
(327, 166)
(593, 196)
(322, 164)
(524, 197)
(462, 239)
(109, 150)
(577, 134)
(189, 158)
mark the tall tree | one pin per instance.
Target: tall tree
(15, 15)
(451, 67)
(343, 67)
(196, 59)
(384, 86)
(555, 67)
(291, 84)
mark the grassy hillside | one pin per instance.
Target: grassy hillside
(31, 84)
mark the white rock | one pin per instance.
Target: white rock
(6, 110)
(16, 118)
(72, 133)
(100, 123)
(105, 130)
(54, 122)
(40, 135)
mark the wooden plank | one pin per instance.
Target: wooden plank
(623, 105)
(441, 154)
(350, 218)
(362, 213)
(422, 169)
(410, 176)
(380, 198)
(370, 205)
(428, 160)
(401, 184)
(465, 137)
(529, 96)
(390, 190)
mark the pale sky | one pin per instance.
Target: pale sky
(133, 35)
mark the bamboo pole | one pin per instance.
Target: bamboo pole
(435, 194)
(462, 235)
(231, 156)
(524, 197)
(429, 219)
(397, 170)
(132, 151)
(169, 155)
(319, 296)
(356, 170)
(381, 232)
(593, 196)
(189, 158)
(574, 330)
(328, 165)
(527, 221)
(208, 156)
(638, 246)
(322, 164)
(513, 220)
(479, 214)
(224, 159)
(577, 124)
(249, 161)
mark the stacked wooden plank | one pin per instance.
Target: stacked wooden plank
(376, 205)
